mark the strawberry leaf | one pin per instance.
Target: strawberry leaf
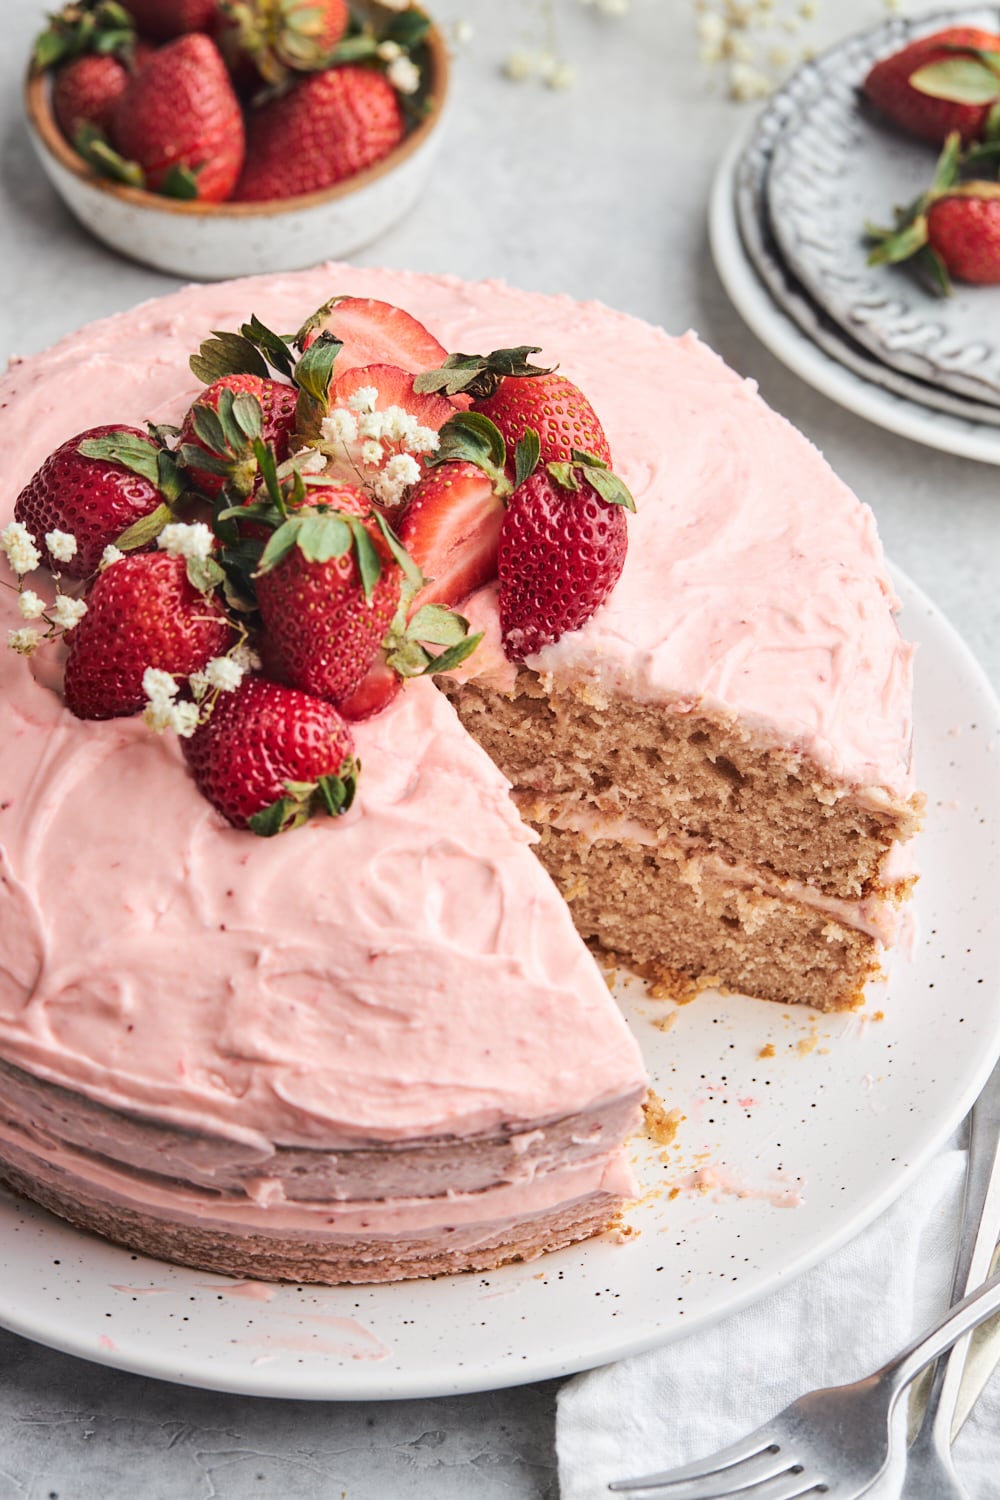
(227, 354)
(411, 572)
(93, 147)
(960, 79)
(180, 182)
(137, 454)
(933, 267)
(314, 371)
(479, 374)
(452, 658)
(526, 456)
(145, 530)
(438, 626)
(247, 415)
(285, 814)
(901, 245)
(271, 345)
(204, 574)
(470, 437)
(564, 474)
(209, 426)
(322, 537)
(267, 463)
(338, 792)
(280, 544)
(366, 553)
(193, 457)
(612, 490)
(948, 163)
(407, 29)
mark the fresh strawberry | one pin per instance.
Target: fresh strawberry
(96, 497)
(325, 625)
(142, 611)
(162, 20)
(554, 407)
(228, 445)
(519, 397)
(940, 83)
(393, 387)
(374, 692)
(280, 37)
(86, 92)
(451, 529)
(269, 756)
(180, 122)
(329, 126)
(562, 549)
(374, 333)
(953, 229)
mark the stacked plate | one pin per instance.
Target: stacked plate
(789, 207)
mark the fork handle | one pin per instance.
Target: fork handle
(962, 1318)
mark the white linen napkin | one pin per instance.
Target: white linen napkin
(833, 1324)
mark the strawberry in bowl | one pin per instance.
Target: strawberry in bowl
(290, 133)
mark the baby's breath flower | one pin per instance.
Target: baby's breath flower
(371, 424)
(184, 719)
(224, 673)
(182, 540)
(17, 542)
(404, 75)
(387, 51)
(310, 461)
(560, 75)
(746, 83)
(61, 545)
(521, 64)
(158, 685)
(198, 683)
(31, 606)
(158, 715)
(339, 427)
(110, 555)
(399, 473)
(463, 31)
(23, 641)
(371, 451)
(423, 440)
(363, 399)
(68, 611)
(246, 657)
(398, 424)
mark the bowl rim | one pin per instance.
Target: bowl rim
(38, 107)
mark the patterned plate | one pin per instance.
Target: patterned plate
(837, 165)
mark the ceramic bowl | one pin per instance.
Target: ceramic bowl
(213, 241)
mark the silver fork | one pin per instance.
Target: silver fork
(835, 1442)
(930, 1473)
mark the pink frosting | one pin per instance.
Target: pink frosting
(410, 970)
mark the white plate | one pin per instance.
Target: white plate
(833, 366)
(843, 1114)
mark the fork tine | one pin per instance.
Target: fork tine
(736, 1484)
(757, 1455)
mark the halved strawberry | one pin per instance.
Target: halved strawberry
(394, 387)
(451, 529)
(372, 333)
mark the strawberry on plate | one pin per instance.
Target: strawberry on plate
(142, 611)
(562, 548)
(94, 486)
(518, 397)
(374, 333)
(327, 127)
(328, 586)
(952, 230)
(269, 756)
(940, 83)
(180, 122)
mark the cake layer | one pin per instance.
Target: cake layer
(686, 775)
(639, 902)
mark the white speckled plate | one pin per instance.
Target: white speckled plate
(838, 165)
(779, 1158)
(797, 332)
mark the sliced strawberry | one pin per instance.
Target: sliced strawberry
(374, 333)
(451, 529)
(374, 692)
(394, 386)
